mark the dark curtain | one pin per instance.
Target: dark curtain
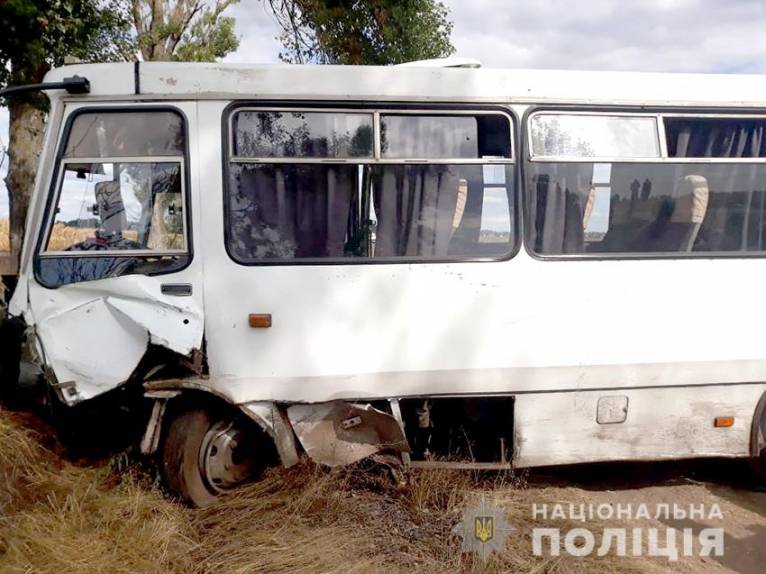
(290, 211)
(735, 138)
(415, 207)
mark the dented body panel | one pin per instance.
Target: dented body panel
(93, 335)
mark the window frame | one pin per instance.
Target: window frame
(269, 159)
(45, 253)
(55, 187)
(660, 112)
(661, 143)
(376, 109)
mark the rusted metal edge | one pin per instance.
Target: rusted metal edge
(458, 465)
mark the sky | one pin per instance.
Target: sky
(722, 36)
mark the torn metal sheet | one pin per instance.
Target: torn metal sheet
(96, 333)
(168, 326)
(92, 346)
(151, 440)
(273, 420)
(340, 433)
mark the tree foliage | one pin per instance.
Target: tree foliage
(362, 31)
(39, 34)
(187, 30)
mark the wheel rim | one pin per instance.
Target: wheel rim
(225, 460)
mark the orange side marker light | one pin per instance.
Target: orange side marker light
(259, 320)
(723, 422)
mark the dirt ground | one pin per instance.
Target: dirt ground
(64, 512)
(729, 484)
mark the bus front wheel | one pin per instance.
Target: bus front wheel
(206, 454)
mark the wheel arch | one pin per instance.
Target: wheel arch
(267, 415)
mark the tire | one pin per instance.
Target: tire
(180, 457)
(197, 451)
(759, 462)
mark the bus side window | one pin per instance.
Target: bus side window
(640, 203)
(311, 185)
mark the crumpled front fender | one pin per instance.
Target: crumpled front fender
(92, 336)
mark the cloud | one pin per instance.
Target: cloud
(647, 35)
(257, 31)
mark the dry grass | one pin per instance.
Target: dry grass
(57, 517)
(5, 235)
(62, 237)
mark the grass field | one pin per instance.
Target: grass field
(62, 236)
(111, 516)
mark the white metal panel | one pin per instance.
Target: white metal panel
(386, 83)
(104, 78)
(373, 330)
(169, 322)
(53, 127)
(94, 333)
(664, 423)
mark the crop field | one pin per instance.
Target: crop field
(62, 236)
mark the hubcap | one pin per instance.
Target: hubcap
(225, 460)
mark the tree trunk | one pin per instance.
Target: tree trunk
(27, 127)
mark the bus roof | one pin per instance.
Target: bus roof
(174, 80)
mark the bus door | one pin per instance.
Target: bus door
(114, 273)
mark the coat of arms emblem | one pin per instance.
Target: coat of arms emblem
(483, 529)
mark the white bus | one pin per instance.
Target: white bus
(455, 267)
